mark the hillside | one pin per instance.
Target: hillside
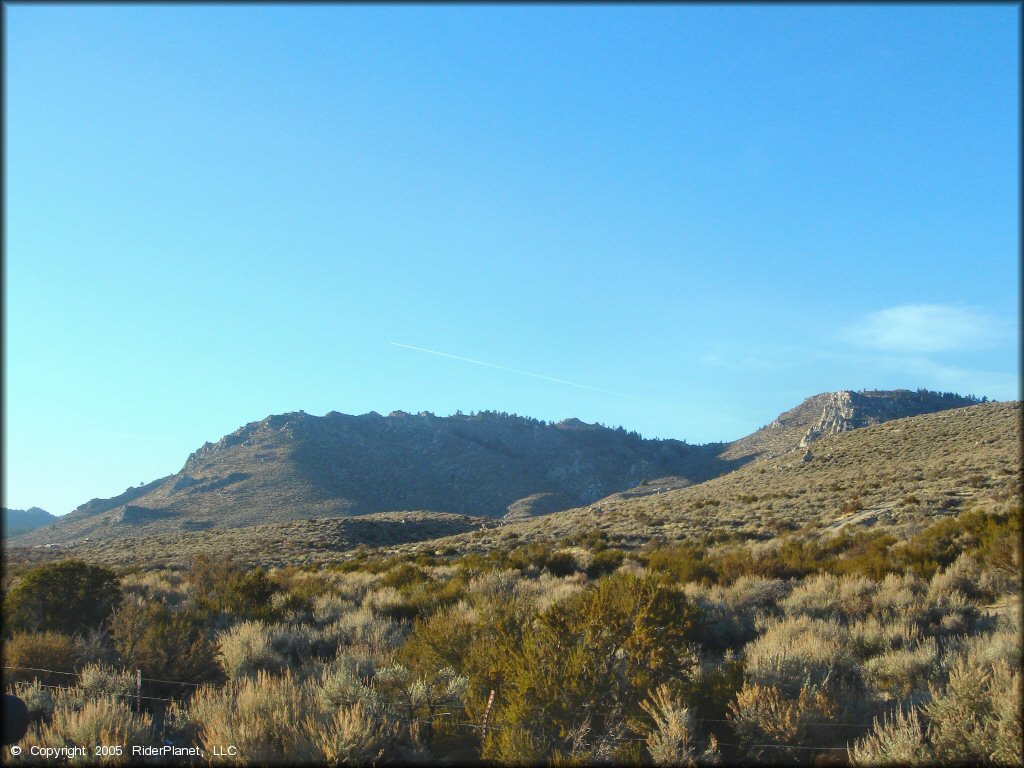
(297, 466)
(897, 475)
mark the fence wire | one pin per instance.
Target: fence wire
(439, 716)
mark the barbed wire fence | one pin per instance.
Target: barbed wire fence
(483, 728)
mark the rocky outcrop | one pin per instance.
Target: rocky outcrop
(537, 504)
(846, 410)
(837, 415)
(831, 413)
(131, 514)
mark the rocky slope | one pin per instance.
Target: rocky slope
(298, 467)
(898, 476)
(833, 412)
(895, 476)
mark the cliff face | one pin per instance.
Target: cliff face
(831, 413)
(846, 410)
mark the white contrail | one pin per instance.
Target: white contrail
(511, 370)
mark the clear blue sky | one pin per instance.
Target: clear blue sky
(702, 214)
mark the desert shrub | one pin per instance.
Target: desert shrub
(493, 585)
(867, 554)
(901, 671)
(897, 596)
(97, 680)
(287, 606)
(403, 703)
(69, 596)
(246, 649)
(604, 561)
(963, 575)
(672, 741)
(594, 539)
(613, 643)
(416, 698)
(440, 640)
(1003, 644)
(354, 585)
(683, 563)
(546, 589)
(561, 564)
(38, 700)
(748, 594)
(828, 596)
(872, 636)
(30, 651)
(798, 651)
(948, 613)
(300, 645)
(541, 556)
(976, 717)
(330, 607)
(262, 716)
(993, 537)
(364, 627)
(763, 715)
(789, 557)
(350, 736)
(164, 643)
(495, 640)
(98, 647)
(383, 600)
(424, 597)
(403, 575)
(347, 681)
(219, 585)
(105, 720)
(896, 740)
(162, 586)
(728, 613)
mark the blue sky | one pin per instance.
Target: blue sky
(681, 219)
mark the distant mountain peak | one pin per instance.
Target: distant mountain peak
(19, 521)
(830, 413)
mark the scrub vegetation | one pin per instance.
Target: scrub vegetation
(853, 648)
(861, 607)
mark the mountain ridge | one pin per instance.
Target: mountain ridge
(296, 466)
(898, 476)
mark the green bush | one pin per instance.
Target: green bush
(612, 644)
(605, 561)
(439, 640)
(222, 586)
(682, 562)
(41, 650)
(163, 643)
(69, 596)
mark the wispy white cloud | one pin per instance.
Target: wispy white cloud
(511, 370)
(934, 375)
(923, 329)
